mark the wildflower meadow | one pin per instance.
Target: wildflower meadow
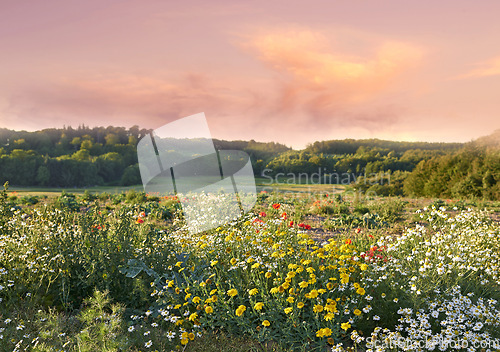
(121, 272)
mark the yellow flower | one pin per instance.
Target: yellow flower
(240, 310)
(329, 286)
(357, 312)
(193, 316)
(290, 299)
(253, 291)
(233, 261)
(232, 292)
(255, 266)
(303, 284)
(191, 336)
(268, 275)
(274, 290)
(324, 332)
(258, 306)
(300, 304)
(360, 291)
(317, 308)
(213, 291)
(345, 326)
(288, 310)
(363, 266)
(266, 323)
(329, 316)
(313, 294)
(214, 262)
(331, 307)
(209, 309)
(196, 299)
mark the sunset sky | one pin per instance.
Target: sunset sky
(286, 71)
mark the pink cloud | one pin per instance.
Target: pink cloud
(487, 68)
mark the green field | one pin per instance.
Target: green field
(308, 269)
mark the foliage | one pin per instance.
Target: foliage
(128, 277)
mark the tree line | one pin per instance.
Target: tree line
(84, 156)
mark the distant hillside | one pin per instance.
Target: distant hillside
(472, 171)
(83, 156)
(492, 140)
(350, 146)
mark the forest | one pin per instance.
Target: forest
(84, 156)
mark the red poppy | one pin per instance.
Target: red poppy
(290, 224)
(139, 221)
(358, 230)
(262, 214)
(284, 216)
(276, 205)
(348, 241)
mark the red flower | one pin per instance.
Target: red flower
(290, 224)
(370, 236)
(262, 214)
(358, 230)
(302, 224)
(307, 227)
(348, 241)
(284, 216)
(276, 205)
(139, 221)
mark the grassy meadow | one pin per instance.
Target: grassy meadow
(310, 268)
